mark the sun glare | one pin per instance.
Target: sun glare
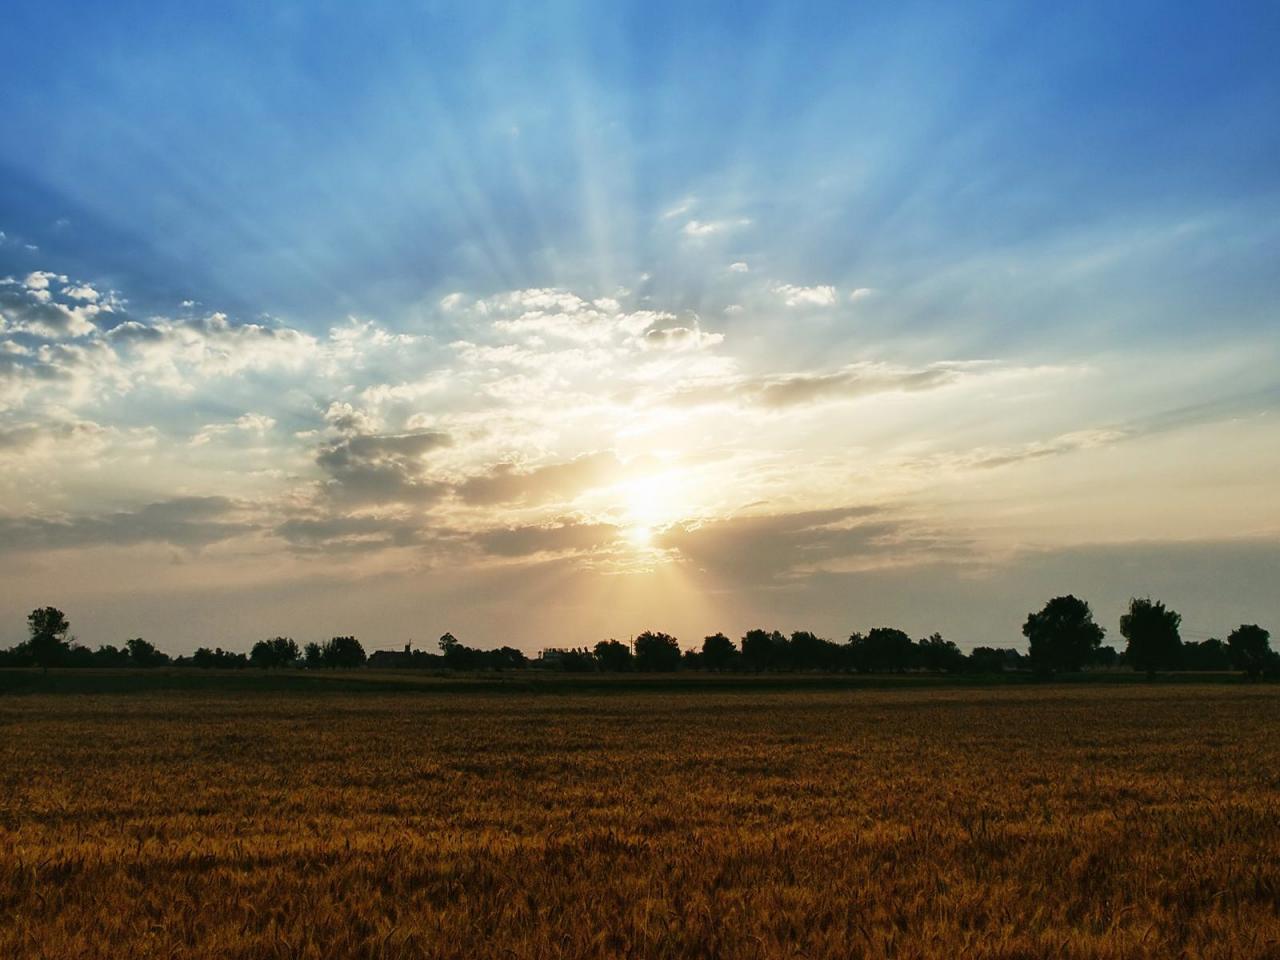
(650, 503)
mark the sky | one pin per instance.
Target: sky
(543, 324)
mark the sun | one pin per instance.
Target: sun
(649, 503)
(640, 535)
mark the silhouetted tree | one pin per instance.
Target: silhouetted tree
(1250, 649)
(939, 655)
(986, 660)
(455, 654)
(1062, 635)
(808, 651)
(1211, 654)
(613, 656)
(657, 652)
(312, 655)
(48, 627)
(207, 659)
(1107, 657)
(343, 652)
(110, 656)
(507, 658)
(276, 652)
(144, 654)
(577, 660)
(1152, 634)
(882, 650)
(718, 652)
(764, 650)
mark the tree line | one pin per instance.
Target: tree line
(1062, 637)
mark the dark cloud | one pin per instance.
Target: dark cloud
(189, 522)
(374, 468)
(560, 481)
(760, 549)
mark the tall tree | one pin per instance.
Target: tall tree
(343, 652)
(1063, 635)
(882, 650)
(48, 645)
(144, 654)
(613, 656)
(657, 652)
(764, 650)
(1250, 649)
(718, 652)
(940, 655)
(1152, 634)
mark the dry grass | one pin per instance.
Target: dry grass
(1067, 822)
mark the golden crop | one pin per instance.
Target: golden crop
(1003, 822)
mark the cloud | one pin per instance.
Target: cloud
(739, 266)
(780, 391)
(351, 533)
(188, 522)
(793, 296)
(506, 483)
(382, 468)
(702, 229)
(29, 308)
(345, 418)
(556, 538)
(679, 209)
(170, 352)
(258, 423)
(771, 547)
(679, 338)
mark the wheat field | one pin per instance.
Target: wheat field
(1007, 822)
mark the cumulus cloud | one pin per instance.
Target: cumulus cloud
(382, 468)
(29, 308)
(793, 296)
(739, 266)
(345, 418)
(170, 352)
(679, 338)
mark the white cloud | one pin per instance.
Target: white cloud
(679, 338)
(861, 293)
(739, 266)
(701, 229)
(793, 296)
(81, 292)
(257, 423)
(679, 209)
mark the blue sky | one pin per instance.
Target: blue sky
(833, 215)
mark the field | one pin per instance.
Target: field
(386, 821)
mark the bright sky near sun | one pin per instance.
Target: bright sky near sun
(542, 324)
